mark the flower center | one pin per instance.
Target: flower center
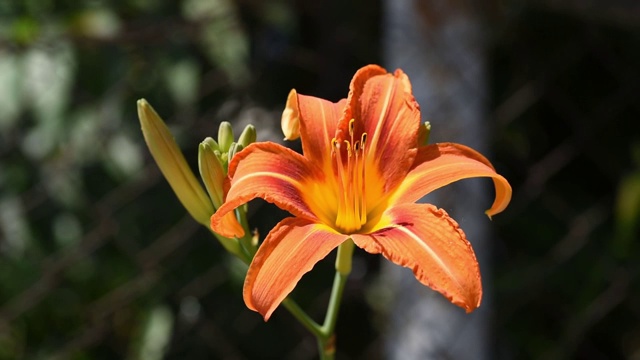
(349, 158)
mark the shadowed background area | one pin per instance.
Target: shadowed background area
(98, 260)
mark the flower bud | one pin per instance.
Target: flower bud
(255, 238)
(225, 136)
(212, 144)
(290, 121)
(212, 172)
(248, 136)
(234, 149)
(423, 134)
(173, 165)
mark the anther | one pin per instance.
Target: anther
(348, 144)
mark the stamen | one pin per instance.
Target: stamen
(350, 173)
(357, 184)
(363, 176)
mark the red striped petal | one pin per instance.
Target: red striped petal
(290, 250)
(271, 172)
(438, 165)
(430, 243)
(315, 120)
(391, 118)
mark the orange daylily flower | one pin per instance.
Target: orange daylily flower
(359, 176)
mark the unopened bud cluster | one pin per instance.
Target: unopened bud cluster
(213, 163)
(214, 157)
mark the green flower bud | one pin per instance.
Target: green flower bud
(173, 165)
(248, 136)
(225, 136)
(212, 172)
(234, 149)
(212, 144)
(423, 134)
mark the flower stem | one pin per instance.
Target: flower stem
(246, 240)
(246, 256)
(327, 342)
(325, 333)
(303, 318)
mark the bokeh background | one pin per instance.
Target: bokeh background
(98, 260)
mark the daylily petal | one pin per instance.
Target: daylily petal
(356, 88)
(315, 121)
(290, 250)
(440, 164)
(391, 118)
(271, 172)
(430, 243)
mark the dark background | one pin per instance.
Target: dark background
(98, 260)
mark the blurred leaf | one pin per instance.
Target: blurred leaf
(25, 30)
(627, 214)
(222, 36)
(125, 155)
(39, 141)
(198, 10)
(10, 88)
(14, 227)
(67, 229)
(156, 334)
(99, 23)
(183, 80)
(227, 46)
(49, 72)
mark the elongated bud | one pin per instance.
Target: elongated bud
(290, 121)
(423, 133)
(212, 144)
(234, 149)
(216, 151)
(225, 136)
(248, 136)
(173, 165)
(212, 172)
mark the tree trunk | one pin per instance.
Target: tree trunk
(441, 46)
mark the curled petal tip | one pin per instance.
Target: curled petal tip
(227, 225)
(291, 117)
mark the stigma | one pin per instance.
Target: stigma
(349, 167)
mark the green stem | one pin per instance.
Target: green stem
(246, 250)
(303, 318)
(327, 342)
(233, 247)
(246, 240)
(245, 253)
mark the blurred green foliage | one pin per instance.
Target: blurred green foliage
(98, 260)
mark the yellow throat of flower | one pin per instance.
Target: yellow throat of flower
(349, 166)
